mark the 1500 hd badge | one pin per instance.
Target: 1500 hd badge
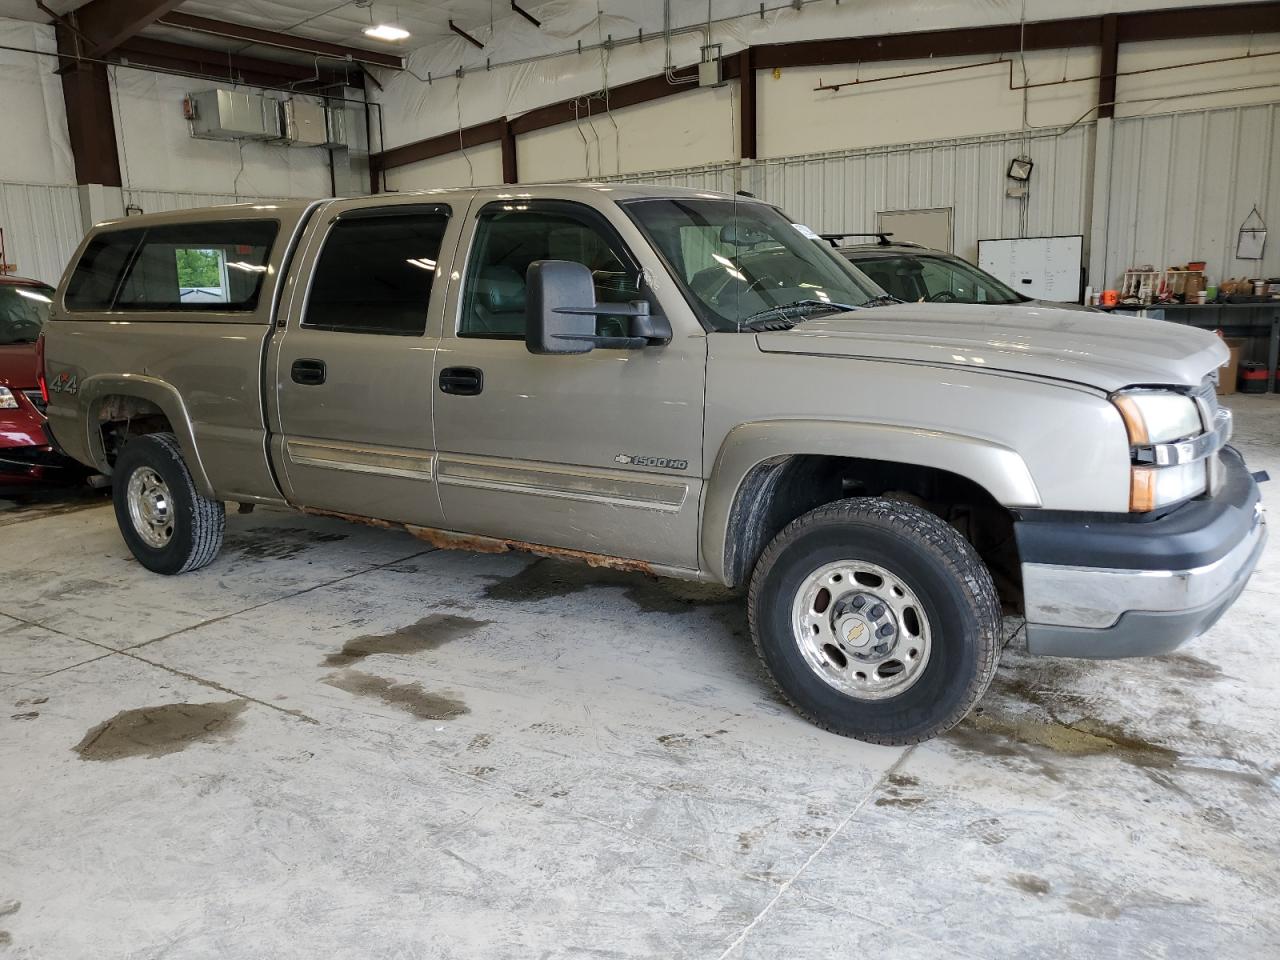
(667, 462)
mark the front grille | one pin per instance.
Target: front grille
(1207, 395)
(37, 400)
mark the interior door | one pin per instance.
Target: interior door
(353, 368)
(599, 452)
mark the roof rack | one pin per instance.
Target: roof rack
(881, 238)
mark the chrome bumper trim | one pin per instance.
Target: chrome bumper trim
(1095, 598)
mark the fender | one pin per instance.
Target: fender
(998, 469)
(94, 388)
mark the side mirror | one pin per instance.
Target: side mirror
(561, 311)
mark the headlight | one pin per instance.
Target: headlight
(1153, 418)
(7, 400)
(1158, 416)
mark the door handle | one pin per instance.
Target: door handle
(309, 373)
(461, 381)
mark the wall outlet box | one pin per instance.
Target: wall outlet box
(1016, 191)
(710, 73)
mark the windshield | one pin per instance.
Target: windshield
(740, 261)
(23, 311)
(917, 278)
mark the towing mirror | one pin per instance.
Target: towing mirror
(561, 312)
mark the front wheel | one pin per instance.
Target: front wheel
(165, 521)
(876, 619)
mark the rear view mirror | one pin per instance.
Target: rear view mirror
(561, 311)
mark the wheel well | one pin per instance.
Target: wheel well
(781, 489)
(121, 417)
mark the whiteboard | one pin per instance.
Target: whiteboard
(1043, 268)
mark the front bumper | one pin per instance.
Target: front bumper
(1141, 588)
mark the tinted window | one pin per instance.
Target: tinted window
(933, 278)
(23, 311)
(97, 274)
(375, 273)
(177, 267)
(507, 241)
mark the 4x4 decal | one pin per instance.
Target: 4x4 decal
(65, 383)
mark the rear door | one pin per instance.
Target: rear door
(599, 452)
(351, 372)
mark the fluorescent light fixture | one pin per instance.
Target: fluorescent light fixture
(422, 263)
(246, 267)
(386, 31)
(33, 295)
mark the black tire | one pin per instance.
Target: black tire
(197, 522)
(940, 567)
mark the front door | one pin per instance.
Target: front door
(353, 369)
(599, 452)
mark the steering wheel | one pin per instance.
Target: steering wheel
(943, 296)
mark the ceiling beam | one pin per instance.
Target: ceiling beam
(284, 41)
(86, 91)
(218, 65)
(109, 23)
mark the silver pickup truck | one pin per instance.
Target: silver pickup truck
(675, 383)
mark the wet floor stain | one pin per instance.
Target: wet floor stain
(1186, 667)
(409, 697)
(1084, 737)
(276, 543)
(160, 730)
(1029, 883)
(899, 801)
(546, 579)
(426, 634)
(26, 715)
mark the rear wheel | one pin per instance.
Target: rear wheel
(165, 521)
(876, 619)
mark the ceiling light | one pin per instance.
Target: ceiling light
(385, 31)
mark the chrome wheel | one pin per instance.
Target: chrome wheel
(861, 629)
(150, 507)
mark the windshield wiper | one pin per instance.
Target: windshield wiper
(790, 314)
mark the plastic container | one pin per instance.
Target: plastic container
(1253, 378)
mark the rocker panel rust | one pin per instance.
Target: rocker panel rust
(450, 540)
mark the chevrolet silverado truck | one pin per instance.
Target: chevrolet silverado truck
(676, 383)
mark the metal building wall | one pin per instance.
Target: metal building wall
(844, 191)
(41, 227)
(1183, 183)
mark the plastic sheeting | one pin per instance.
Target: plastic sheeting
(158, 153)
(34, 147)
(416, 109)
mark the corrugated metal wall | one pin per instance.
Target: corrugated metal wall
(41, 227)
(844, 191)
(1182, 185)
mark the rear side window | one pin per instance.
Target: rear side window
(97, 275)
(177, 267)
(376, 271)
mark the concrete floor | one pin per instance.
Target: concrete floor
(333, 743)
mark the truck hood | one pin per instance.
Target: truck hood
(1098, 350)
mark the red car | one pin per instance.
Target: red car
(26, 456)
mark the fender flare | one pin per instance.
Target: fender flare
(164, 395)
(998, 469)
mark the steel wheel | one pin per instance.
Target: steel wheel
(861, 629)
(150, 507)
